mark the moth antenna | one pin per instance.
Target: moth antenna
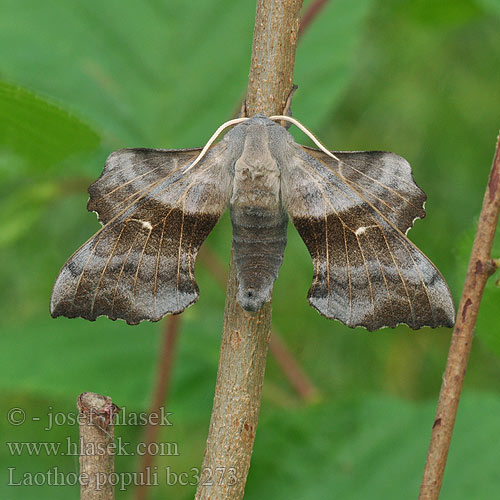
(306, 131)
(225, 125)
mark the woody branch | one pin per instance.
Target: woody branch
(246, 335)
(480, 268)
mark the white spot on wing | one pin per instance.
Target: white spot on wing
(146, 224)
(362, 229)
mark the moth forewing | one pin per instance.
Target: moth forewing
(140, 265)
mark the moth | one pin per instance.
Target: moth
(352, 210)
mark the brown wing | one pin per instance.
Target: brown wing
(129, 173)
(366, 272)
(383, 179)
(140, 265)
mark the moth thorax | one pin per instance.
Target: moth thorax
(256, 184)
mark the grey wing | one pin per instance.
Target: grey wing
(129, 173)
(383, 179)
(140, 265)
(366, 272)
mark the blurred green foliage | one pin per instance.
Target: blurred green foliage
(80, 79)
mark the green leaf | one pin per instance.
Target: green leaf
(36, 134)
(166, 73)
(37, 137)
(443, 14)
(22, 208)
(170, 84)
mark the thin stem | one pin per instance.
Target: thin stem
(246, 335)
(312, 11)
(160, 395)
(291, 368)
(288, 364)
(95, 418)
(481, 267)
(273, 56)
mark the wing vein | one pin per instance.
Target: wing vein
(155, 287)
(383, 274)
(367, 276)
(351, 183)
(179, 251)
(108, 260)
(121, 272)
(348, 275)
(313, 152)
(378, 225)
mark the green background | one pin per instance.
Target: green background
(81, 79)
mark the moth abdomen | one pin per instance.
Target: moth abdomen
(259, 240)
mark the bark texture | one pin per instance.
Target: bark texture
(273, 56)
(96, 414)
(481, 267)
(246, 335)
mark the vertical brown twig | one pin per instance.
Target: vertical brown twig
(306, 20)
(163, 377)
(95, 413)
(273, 56)
(292, 370)
(246, 335)
(481, 267)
